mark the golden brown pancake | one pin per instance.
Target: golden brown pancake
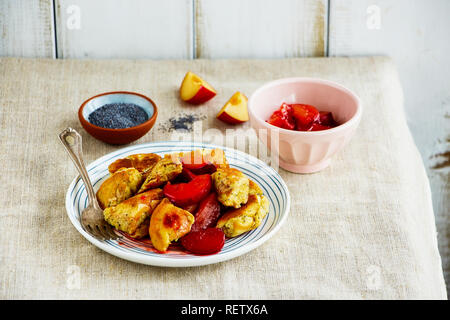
(120, 186)
(198, 156)
(248, 217)
(168, 223)
(133, 215)
(143, 162)
(232, 187)
(165, 170)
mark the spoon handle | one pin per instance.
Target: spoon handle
(72, 142)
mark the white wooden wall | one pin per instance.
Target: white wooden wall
(26, 29)
(169, 29)
(260, 28)
(414, 32)
(124, 29)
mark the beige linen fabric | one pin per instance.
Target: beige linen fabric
(361, 229)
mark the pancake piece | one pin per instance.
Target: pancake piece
(198, 156)
(142, 230)
(120, 186)
(143, 162)
(254, 189)
(238, 221)
(232, 187)
(133, 215)
(168, 223)
(165, 170)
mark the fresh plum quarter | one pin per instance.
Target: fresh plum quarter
(203, 94)
(195, 90)
(235, 110)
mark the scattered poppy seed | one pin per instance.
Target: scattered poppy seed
(181, 122)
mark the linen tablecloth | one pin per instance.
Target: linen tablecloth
(362, 228)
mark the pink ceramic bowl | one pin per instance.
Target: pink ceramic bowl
(300, 151)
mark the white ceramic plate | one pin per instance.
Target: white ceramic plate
(142, 251)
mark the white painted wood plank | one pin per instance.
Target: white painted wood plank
(26, 28)
(124, 29)
(260, 28)
(416, 35)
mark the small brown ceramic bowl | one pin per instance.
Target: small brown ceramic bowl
(117, 136)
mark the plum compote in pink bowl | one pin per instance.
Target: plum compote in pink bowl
(306, 140)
